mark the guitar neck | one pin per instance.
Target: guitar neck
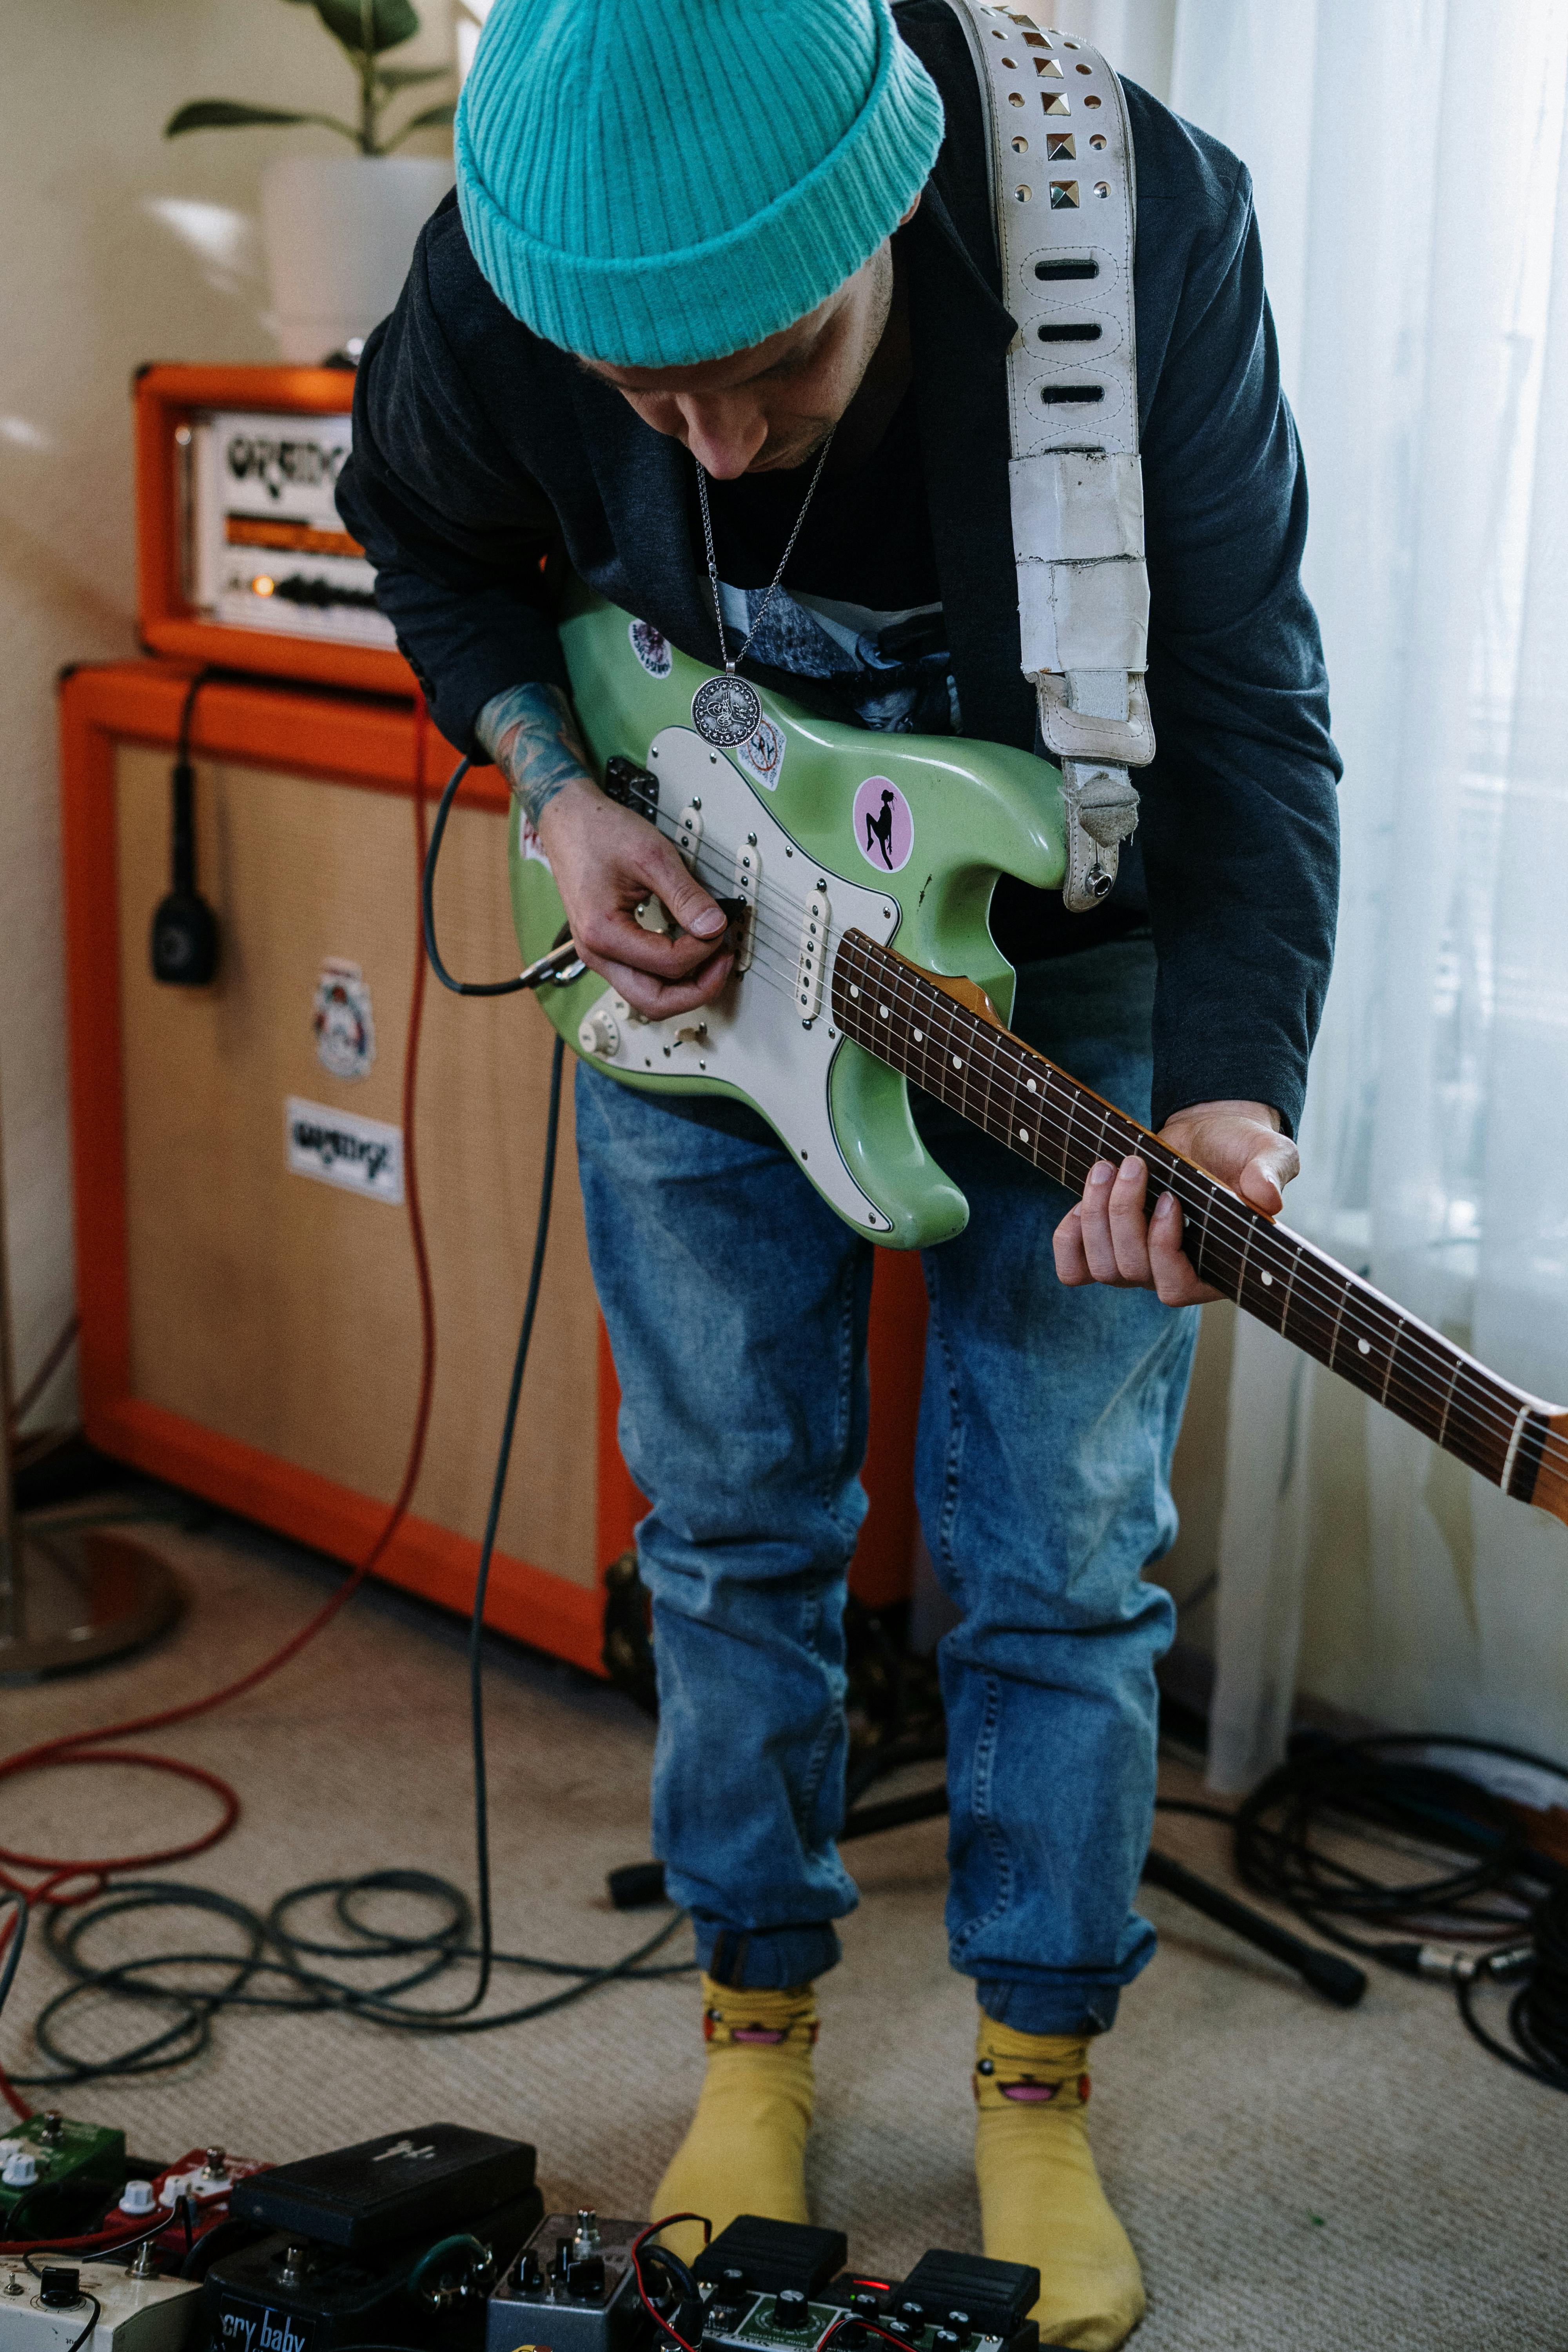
(965, 1058)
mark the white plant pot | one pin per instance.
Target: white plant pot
(339, 232)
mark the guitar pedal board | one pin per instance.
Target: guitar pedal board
(762, 2286)
(397, 2241)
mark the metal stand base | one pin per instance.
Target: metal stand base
(80, 1598)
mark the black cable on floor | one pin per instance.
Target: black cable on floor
(280, 1966)
(1480, 1905)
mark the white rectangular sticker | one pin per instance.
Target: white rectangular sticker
(337, 1146)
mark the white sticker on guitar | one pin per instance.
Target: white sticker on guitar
(762, 754)
(884, 828)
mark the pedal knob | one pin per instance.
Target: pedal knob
(600, 1034)
(137, 2197)
(59, 2287)
(792, 2312)
(21, 2172)
(915, 2313)
(54, 2127)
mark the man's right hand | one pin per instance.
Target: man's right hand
(606, 860)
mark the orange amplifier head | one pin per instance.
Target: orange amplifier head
(242, 558)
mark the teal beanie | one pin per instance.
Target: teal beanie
(653, 183)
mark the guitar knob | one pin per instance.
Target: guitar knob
(599, 1032)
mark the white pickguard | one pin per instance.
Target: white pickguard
(753, 1036)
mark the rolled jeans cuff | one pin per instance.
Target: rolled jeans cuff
(1037, 2007)
(765, 1959)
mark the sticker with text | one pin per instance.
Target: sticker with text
(762, 754)
(338, 1146)
(884, 828)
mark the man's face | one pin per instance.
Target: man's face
(762, 410)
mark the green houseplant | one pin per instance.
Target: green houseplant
(340, 229)
(364, 30)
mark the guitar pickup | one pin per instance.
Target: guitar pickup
(813, 955)
(632, 787)
(748, 881)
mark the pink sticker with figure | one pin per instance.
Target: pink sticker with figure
(884, 829)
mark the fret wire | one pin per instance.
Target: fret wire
(1393, 1352)
(1489, 1419)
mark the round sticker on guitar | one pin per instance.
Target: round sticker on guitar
(884, 829)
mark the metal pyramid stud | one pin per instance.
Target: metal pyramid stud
(1052, 65)
(1064, 195)
(1061, 147)
(1054, 102)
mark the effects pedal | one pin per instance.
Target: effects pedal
(207, 2177)
(57, 2176)
(396, 2241)
(47, 2311)
(572, 2290)
(765, 2288)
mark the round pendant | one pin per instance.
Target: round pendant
(726, 711)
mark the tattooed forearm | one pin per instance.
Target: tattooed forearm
(532, 735)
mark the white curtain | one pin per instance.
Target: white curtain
(1412, 188)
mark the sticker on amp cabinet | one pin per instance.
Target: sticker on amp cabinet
(338, 1146)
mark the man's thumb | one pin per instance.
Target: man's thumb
(688, 901)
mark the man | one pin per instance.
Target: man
(692, 240)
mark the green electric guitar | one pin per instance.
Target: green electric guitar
(857, 870)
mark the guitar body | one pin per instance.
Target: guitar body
(809, 830)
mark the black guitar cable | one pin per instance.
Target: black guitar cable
(556, 965)
(1478, 1905)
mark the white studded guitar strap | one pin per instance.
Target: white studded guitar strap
(1064, 207)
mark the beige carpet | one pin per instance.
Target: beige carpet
(1293, 2178)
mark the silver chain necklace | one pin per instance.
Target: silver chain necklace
(727, 710)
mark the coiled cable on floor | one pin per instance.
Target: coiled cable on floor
(1476, 1904)
(279, 1966)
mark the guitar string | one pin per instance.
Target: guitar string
(1427, 1373)
(1220, 1218)
(1406, 1388)
(1288, 1249)
(1261, 1230)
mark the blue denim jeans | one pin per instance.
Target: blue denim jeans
(736, 1304)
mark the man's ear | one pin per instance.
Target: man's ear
(910, 214)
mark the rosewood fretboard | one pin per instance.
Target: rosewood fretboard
(993, 1080)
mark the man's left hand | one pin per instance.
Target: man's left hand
(1112, 1237)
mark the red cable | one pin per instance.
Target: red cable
(87, 1747)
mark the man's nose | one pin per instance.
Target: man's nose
(723, 438)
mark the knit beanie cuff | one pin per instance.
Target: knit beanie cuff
(724, 294)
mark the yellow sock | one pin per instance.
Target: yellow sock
(1040, 2197)
(745, 2149)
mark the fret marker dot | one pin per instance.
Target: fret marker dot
(853, 991)
(918, 1035)
(883, 1011)
(958, 1061)
(1023, 1135)
(1365, 1346)
(1031, 1086)
(1267, 1280)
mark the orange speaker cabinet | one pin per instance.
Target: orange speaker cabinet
(251, 1330)
(186, 523)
